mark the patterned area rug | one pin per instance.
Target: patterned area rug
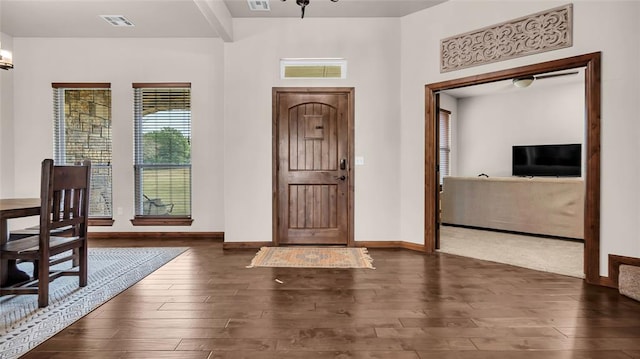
(111, 270)
(312, 257)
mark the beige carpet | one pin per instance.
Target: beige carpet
(544, 254)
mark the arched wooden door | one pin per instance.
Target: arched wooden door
(313, 130)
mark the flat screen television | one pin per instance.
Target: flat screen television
(547, 160)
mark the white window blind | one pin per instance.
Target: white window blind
(82, 131)
(445, 143)
(162, 156)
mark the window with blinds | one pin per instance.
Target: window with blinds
(313, 69)
(82, 131)
(162, 151)
(445, 143)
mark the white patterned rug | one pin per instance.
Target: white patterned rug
(23, 325)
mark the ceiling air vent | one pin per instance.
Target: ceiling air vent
(259, 5)
(117, 20)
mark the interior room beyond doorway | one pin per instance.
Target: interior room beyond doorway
(487, 121)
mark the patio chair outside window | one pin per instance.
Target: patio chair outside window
(155, 207)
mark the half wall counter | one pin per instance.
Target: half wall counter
(538, 205)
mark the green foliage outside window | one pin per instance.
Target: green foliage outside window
(166, 146)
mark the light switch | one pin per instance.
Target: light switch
(359, 161)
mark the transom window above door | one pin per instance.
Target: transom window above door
(313, 68)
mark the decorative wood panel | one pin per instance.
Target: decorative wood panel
(312, 138)
(544, 31)
(314, 127)
(313, 206)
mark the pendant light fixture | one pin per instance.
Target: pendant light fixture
(526, 81)
(523, 81)
(303, 4)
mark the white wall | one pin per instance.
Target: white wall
(372, 48)
(489, 125)
(41, 61)
(6, 124)
(610, 27)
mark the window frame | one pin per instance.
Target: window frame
(444, 120)
(59, 147)
(157, 220)
(313, 62)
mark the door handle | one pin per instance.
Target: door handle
(343, 164)
(341, 178)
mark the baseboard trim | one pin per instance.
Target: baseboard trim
(605, 282)
(614, 267)
(368, 244)
(214, 236)
(540, 235)
(246, 245)
(391, 244)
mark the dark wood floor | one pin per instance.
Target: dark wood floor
(206, 304)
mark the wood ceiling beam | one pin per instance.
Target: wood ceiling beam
(218, 16)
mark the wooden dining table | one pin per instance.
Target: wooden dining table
(13, 208)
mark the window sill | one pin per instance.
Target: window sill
(161, 221)
(101, 222)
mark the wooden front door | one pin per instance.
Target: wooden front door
(313, 182)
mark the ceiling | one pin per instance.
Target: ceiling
(327, 8)
(170, 18)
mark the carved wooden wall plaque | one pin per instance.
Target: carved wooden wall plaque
(544, 31)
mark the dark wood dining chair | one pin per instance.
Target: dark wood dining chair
(64, 195)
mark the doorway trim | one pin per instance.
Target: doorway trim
(350, 92)
(592, 64)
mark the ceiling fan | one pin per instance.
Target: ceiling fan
(303, 4)
(526, 81)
